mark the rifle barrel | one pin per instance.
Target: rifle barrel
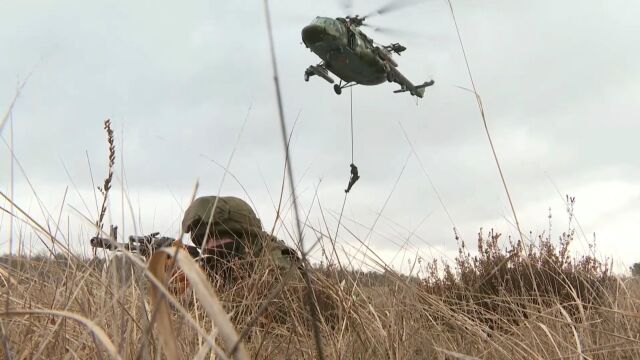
(145, 245)
(106, 243)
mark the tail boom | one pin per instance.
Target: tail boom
(406, 85)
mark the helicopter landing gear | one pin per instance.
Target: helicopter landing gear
(319, 70)
(338, 87)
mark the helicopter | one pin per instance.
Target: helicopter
(352, 56)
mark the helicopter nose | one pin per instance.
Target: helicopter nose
(313, 34)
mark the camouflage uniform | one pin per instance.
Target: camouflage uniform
(232, 233)
(237, 248)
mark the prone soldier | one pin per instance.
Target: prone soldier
(231, 237)
(232, 247)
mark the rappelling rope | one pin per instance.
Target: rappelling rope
(354, 169)
(351, 112)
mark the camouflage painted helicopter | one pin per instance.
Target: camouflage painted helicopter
(352, 56)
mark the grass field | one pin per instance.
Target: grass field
(513, 302)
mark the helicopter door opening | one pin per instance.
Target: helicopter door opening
(352, 40)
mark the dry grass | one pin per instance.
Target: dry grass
(514, 303)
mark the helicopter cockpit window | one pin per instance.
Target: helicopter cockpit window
(321, 21)
(334, 27)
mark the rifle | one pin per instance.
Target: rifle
(145, 245)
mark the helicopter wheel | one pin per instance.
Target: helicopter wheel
(337, 89)
(306, 77)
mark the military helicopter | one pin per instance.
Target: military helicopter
(352, 56)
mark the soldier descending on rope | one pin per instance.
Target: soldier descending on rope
(354, 177)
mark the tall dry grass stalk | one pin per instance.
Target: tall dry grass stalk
(309, 294)
(106, 186)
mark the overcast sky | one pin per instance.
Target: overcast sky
(560, 83)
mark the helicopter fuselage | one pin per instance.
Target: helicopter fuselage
(352, 56)
(346, 51)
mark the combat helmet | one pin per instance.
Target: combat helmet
(221, 217)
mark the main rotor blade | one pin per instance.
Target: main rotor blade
(392, 31)
(393, 5)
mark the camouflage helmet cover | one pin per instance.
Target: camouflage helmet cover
(231, 216)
